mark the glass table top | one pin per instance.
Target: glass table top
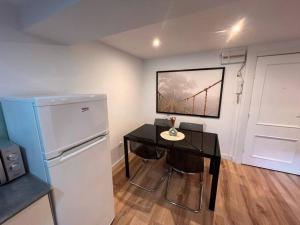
(198, 142)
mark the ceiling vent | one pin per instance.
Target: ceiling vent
(233, 55)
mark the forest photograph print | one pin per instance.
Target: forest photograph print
(195, 92)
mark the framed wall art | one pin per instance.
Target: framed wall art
(193, 92)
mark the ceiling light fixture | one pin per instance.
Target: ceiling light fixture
(235, 29)
(156, 42)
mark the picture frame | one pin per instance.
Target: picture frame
(190, 92)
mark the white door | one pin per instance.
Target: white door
(82, 185)
(273, 131)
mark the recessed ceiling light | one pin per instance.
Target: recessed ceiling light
(236, 28)
(156, 42)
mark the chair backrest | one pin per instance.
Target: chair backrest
(146, 151)
(191, 126)
(162, 122)
(142, 150)
(186, 161)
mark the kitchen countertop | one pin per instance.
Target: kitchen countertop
(19, 194)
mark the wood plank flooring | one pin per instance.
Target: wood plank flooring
(246, 196)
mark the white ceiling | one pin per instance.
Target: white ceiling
(265, 21)
(183, 26)
(88, 20)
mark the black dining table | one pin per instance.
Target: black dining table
(204, 143)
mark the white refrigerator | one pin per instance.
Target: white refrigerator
(66, 142)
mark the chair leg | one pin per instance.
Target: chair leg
(149, 189)
(196, 210)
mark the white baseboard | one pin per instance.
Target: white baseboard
(115, 163)
(227, 156)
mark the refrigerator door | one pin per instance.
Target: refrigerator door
(82, 184)
(67, 121)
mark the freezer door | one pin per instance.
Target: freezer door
(82, 185)
(64, 126)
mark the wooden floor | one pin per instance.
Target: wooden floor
(246, 195)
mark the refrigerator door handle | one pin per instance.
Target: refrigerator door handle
(72, 153)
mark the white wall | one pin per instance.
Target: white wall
(29, 65)
(104, 69)
(226, 125)
(232, 125)
(91, 68)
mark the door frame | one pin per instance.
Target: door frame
(244, 108)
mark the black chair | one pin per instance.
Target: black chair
(162, 122)
(148, 153)
(191, 126)
(186, 162)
